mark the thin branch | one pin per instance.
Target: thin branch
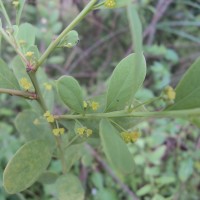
(28, 95)
(161, 8)
(5, 13)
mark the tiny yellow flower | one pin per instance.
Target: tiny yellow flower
(15, 3)
(85, 104)
(94, 105)
(56, 131)
(134, 136)
(61, 130)
(130, 136)
(29, 54)
(49, 117)
(171, 94)
(88, 132)
(126, 137)
(81, 131)
(48, 86)
(110, 3)
(25, 83)
(47, 114)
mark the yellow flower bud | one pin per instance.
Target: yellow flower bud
(81, 131)
(56, 131)
(171, 94)
(94, 105)
(88, 132)
(110, 3)
(85, 104)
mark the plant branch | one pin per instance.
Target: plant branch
(16, 48)
(36, 86)
(53, 45)
(5, 13)
(24, 94)
(161, 8)
(123, 113)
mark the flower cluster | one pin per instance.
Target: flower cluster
(25, 83)
(91, 104)
(130, 136)
(168, 95)
(110, 3)
(83, 131)
(58, 131)
(49, 117)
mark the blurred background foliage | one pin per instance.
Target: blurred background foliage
(167, 155)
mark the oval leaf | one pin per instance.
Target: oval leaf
(31, 126)
(48, 177)
(7, 78)
(71, 93)
(70, 40)
(26, 166)
(125, 81)
(69, 188)
(188, 89)
(27, 34)
(115, 149)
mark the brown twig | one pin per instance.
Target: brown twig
(124, 187)
(161, 8)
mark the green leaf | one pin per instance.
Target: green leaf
(70, 40)
(70, 93)
(185, 169)
(72, 154)
(195, 121)
(136, 29)
(7, 78)
(155, 156)
(48, 177)
(115, 149)
(125, 81)
(144, 190)
(97, 180)
(26, 33)
(32, 126)
(106, 194)
(158, 197)
(188, 89)
(69, 187)
(19, 11)
(26, 166)
(165, 180)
